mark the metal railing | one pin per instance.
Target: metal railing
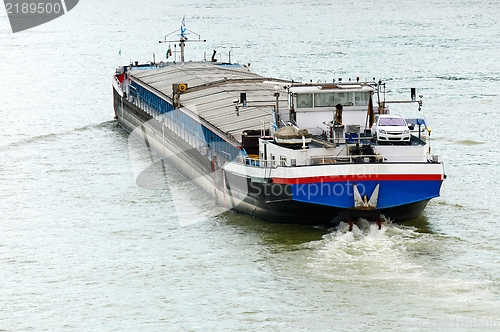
(334, 160)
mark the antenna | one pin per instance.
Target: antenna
(182, 38)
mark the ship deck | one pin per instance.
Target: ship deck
(214, 92)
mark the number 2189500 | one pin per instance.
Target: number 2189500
(33, 8)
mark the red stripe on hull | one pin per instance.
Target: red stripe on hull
(360, 177)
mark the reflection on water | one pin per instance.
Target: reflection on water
(274, 233)
(421, 224)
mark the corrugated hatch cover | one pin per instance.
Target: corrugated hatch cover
(212, 90)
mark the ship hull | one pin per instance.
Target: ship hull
(256, 196)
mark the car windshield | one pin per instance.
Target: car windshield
(391, 122)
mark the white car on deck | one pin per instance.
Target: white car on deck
(390, 128)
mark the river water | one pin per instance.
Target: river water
(83, 247)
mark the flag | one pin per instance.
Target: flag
(183, 27)
(169, 52)
(370, 112)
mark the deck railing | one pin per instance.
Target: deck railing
(334, 160)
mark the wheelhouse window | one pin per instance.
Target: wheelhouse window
(361, 98)
(324, 100)
(345, 98)
(304, 100)
(330, 99)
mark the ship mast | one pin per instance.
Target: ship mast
(183, 38)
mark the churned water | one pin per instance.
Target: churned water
(83, 247)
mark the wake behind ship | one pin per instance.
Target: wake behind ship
(279, 150)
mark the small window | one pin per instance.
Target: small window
(283, 161)
(304, 100)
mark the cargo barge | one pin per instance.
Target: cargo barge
(279, 150)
